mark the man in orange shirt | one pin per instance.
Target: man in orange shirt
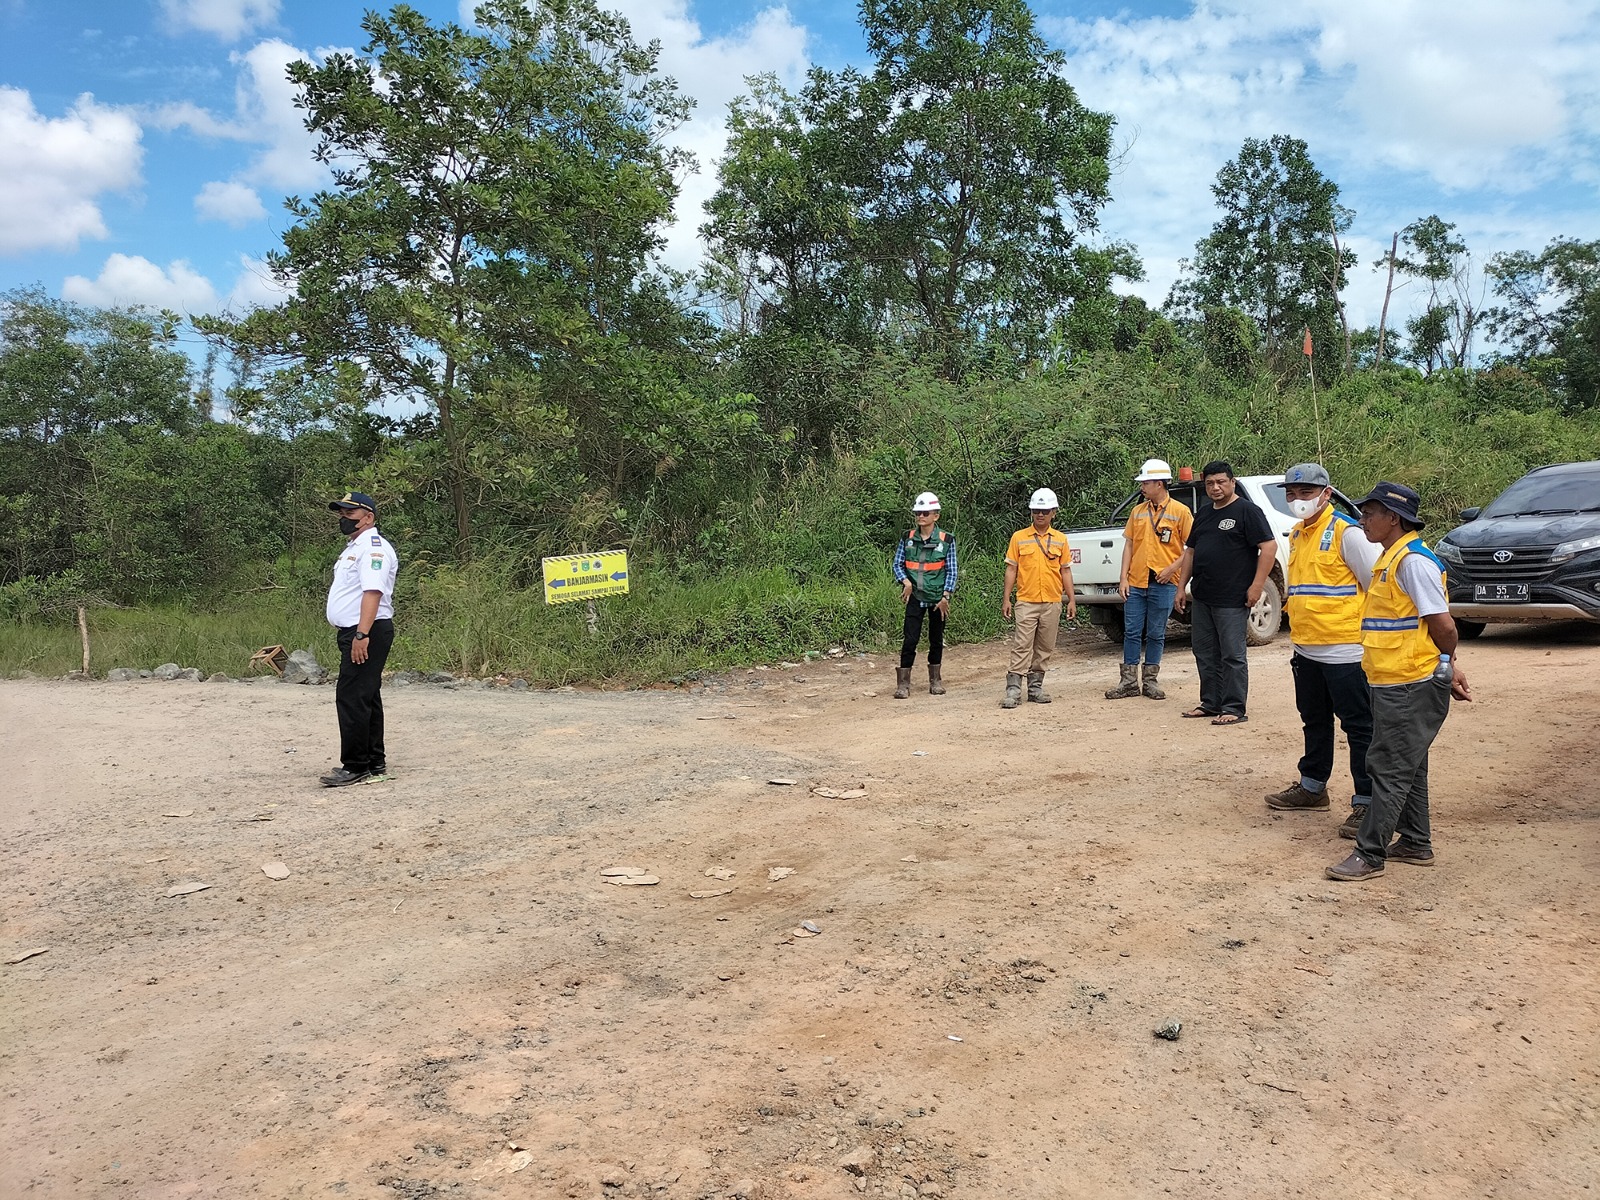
(1039, 567)
(1152, 545)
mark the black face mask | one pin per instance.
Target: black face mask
(347, 525)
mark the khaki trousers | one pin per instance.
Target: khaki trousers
(1033, 640)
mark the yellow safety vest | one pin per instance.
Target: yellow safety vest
(1399, 648)
(1324, 599)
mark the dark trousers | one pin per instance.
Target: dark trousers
(1323, 691)
(1218, 639)
(912, 633)
(359, 701)
(1405, 720)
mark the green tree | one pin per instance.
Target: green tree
(939, 200)
(72, 381)
(497, 197)
(1549, 315)
(1275, 252)
(1428, 251)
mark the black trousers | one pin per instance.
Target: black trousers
(1323, 691)
(915, 612)
(359, 701)
(1217, 636)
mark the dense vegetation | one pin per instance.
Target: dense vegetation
(903, 289)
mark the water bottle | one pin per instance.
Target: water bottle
(1444, 672)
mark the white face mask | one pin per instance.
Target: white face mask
(1304, 508)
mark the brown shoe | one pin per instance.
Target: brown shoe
(1404, 851)
(1354, 869)
(1296, 797)
(902, 683)
(1352, 823)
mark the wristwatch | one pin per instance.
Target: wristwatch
(361, 637)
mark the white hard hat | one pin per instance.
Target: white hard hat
(1154, 468)
(926, 502)
(1043, 498)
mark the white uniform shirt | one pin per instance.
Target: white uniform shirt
(368, 564)
(1360, 556)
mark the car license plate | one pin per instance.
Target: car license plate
(1500, 593)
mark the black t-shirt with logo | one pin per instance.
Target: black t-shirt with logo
(1224, 542)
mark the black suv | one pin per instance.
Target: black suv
(1533, 554)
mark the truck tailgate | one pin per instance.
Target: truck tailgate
(1097, 565)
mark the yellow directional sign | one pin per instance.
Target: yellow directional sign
(584, 576)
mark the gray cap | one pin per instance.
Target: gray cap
(1310, 474)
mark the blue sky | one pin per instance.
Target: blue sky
(148, 144)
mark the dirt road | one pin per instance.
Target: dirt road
(444, 999)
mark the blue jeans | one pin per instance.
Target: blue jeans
(1144, 621)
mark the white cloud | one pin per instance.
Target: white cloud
(227, 19)
(255, 287)
(56, 168)
(264, 115)
(232, 203)
(1454, 106)
(128, 280)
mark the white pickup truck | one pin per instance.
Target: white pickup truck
(1097, 557)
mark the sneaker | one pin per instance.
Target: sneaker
(1296, 797)
(1417, 856)
(376, 775)
(1352, 823)
(343, 778)
(1354, 869)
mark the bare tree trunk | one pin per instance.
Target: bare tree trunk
(1333, 289)
(1388, 290)
(83, 632)
(452, 443)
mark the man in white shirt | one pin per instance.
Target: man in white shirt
(361, 608)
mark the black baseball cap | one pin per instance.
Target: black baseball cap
(354, 500)
(1398, 499)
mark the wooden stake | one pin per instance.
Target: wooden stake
(83, 632)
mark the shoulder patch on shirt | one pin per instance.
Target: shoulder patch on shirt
(377, 562)
(376, 540)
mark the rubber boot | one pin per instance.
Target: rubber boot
(1151, 688)
(1036, 692)
(1129, 685)
(935, 684)
(902, 683)
(1013, 691)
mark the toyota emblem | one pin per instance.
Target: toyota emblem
(1502, 556)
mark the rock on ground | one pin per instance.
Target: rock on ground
(303, 667)
(167, 671)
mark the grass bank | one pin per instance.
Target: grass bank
(474, 622)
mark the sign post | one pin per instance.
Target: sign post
(572, 577)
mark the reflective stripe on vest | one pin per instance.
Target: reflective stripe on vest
(1398, 646)
(1323, 595)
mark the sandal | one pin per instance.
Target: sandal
(1228, 719)
(1198, 712)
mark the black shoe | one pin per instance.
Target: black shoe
(1296, 797)
(1354, 869)
(1351, 825)
(343, 778)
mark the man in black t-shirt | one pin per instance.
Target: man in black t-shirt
(1229, 555)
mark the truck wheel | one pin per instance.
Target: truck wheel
(1112, 627)
(1266, 618)
(1468, 630)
